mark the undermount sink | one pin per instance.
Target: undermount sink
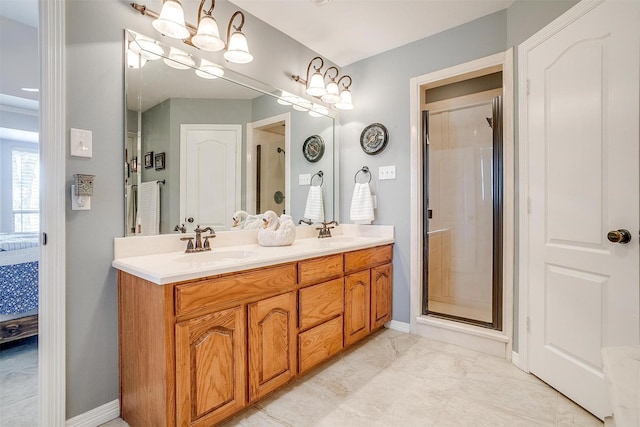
(213, 256)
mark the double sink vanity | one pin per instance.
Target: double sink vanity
(203, 335)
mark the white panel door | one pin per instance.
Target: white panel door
(210, 174)
(582, 135)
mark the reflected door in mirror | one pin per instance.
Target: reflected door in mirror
(210, 158)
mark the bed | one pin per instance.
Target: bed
(19, 254)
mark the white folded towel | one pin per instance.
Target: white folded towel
(315, 205)
(362, 204)
(148, 215)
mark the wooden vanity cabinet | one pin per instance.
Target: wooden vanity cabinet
(272, 344)
(194, 353)
(357, 306)
(368, 288)
(381, 290)
(210, 367)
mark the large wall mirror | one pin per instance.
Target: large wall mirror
(213, 145)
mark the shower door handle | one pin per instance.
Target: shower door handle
(621, 236)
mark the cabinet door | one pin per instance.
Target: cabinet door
(381, 288)
(357, 288)
(210, 367)
(272, 344)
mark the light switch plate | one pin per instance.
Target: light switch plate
(81, 143)
(304, 179)
(387, 172)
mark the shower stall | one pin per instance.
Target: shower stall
(462, 185)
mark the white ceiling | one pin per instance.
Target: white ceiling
(346, 31)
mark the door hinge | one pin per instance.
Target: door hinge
(44, 239)
(528, 86)
(529, 205)
(528, 324)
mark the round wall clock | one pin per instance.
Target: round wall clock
(374, 138)
(313, 148)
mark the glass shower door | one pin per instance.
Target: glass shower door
(462, 248)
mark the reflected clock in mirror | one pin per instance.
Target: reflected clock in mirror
(313, 148)
(160, 99)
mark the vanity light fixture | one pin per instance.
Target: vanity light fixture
(302, 104)
(170, 22)
(331, 92)
(147, 48)
(318, 110)
(209, 70)
(287, 98)
(179, 59)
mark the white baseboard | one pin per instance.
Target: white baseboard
(515, 358)
(399, 326)
(96, 416)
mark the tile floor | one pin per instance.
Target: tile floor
(19, 383)
(402, 380)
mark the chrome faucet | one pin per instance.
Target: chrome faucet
(325, 230)
(199, 246)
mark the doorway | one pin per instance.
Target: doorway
(268, 167)
(475, 335)
(462, 202)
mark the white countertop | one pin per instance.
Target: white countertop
(139, 255)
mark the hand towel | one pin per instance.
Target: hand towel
(315, 205)
(362, 204)
(148, 218)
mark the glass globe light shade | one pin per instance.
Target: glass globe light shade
(238, 49)
(171, 20)
(134, 60)
(147, 48)
(345, 100)
(316, 85)
(318, 111)
(208, 37)
(179, 60)
(302, 105)
(333, 93)
(209, 70)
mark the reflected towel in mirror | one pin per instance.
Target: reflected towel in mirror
(314, 209)
(362, 204)
(148, 216)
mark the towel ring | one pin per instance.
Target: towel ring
(320, 174)
(364, 169)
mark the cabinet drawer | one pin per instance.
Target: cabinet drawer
(237, 289)
(320, 302)
(319, 343)
(319, 269)
(366, 258)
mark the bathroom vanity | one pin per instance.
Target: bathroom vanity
(203, 337)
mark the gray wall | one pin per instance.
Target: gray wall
(94, 45)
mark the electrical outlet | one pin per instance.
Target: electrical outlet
(387, 172)
(304, 179)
